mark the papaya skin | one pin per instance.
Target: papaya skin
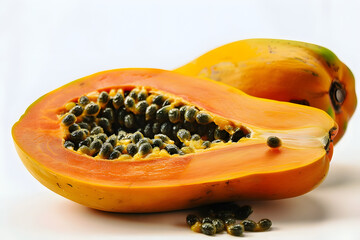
(245, 170)
(282, 70)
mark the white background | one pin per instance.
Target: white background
(45, 44)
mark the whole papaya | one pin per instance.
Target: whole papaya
(283, 70)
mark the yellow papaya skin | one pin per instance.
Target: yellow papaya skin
(283, 70)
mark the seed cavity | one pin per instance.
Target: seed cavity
(125, 124)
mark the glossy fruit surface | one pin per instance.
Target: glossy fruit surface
(247, 169)
(283, 70)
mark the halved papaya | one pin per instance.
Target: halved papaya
(283, 70)
(220, 148)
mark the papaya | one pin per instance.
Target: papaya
(150, 140)
(283, 70)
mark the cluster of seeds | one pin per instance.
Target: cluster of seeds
(229, 217)
(118, 124)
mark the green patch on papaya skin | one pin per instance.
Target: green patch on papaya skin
(345, 125)
(331, 112)
(311, 72)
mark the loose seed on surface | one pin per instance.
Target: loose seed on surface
(264, 224)
(219, 225)
(235, 229)
(273, 142)
(249, 225)
(191, 219)
(208, 229)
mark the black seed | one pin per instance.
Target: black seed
(142, 141)
(84, 125)
(105, 150)
(121, 134)
(84, 100)
(136, 137)
(96, 130)
(238, 134)
(156, 128)
(243, 212)
(134, 93)
(145, 148)
(148, 131)
(166, 129)
(203, 118)
(264, 224)
(141, 107)
(217, 141)
(172, 149)
(121, 117)
(206, 220)
(235, 229)
(114, 155)
(249, 225)
(69, 144)
(105, 124)
(174, 115)
(219, 225)
(208, 229)
(118, 100)
(273, 142)
(109, 114)
(69, 119)
(92, 109)
(150, 112)
(190, 114)
(158, 100)
(182, 111)
(163, 137)
(162, 114)
(74, 127)
(95, 146)
(88, 119)
(103, 98)
(129, 121)
(202, 130)
(142, 95)
(112, 140)
(189, 126)
(195, 137)
(140, 120)
(129, 102)
(206, 144)
(78, 135)
(126, 93)
(120, 148)
(183, 135)
(229, 221)
(210, 134)
(85, 142)
(175, 129)
(77, 110)
(102, 137)
(191, 219)
(166, 102)
(158, 143)
(132, 149)
(221, 134)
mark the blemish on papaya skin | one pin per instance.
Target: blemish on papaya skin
(58, 185)
(69, 185)
(311, 72)
(208, 191)
(100, 198)
(82, 84)
(227, 182)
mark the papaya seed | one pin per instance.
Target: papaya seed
(273, 142)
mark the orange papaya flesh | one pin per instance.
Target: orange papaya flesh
(247, 169)
(283, 70)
